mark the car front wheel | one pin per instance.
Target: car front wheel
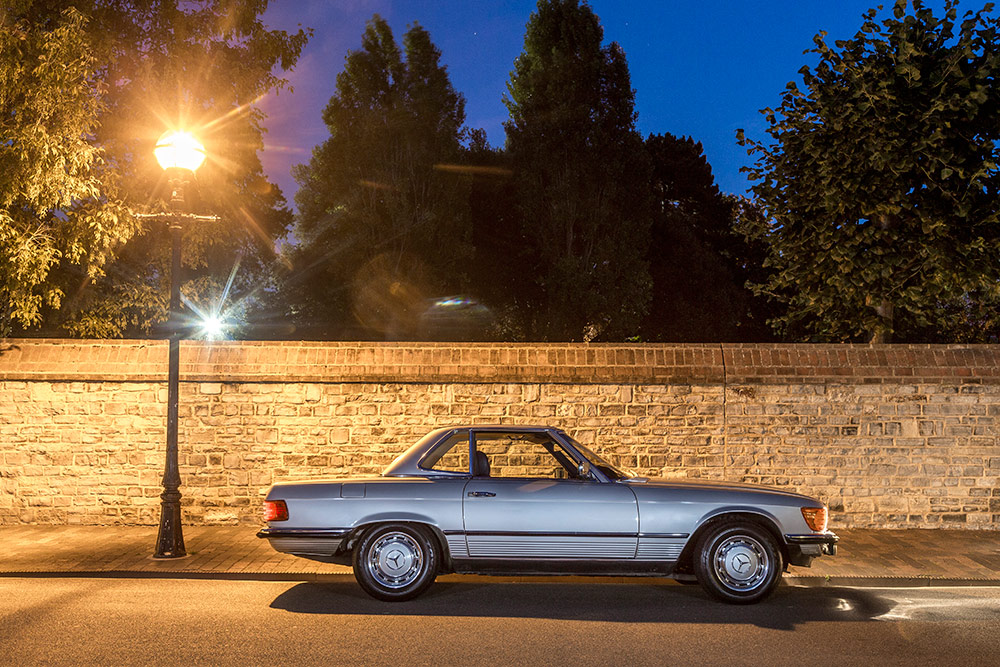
(738, 563)
(395, 562)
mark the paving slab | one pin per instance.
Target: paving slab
(864, 557)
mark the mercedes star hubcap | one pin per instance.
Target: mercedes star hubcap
(395, 560)
(741, 563)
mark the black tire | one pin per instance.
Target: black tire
(395, 562)
(738, 562)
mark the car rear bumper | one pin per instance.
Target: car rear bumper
(271, 533)
(307, 542)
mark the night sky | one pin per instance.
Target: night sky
(700, 69)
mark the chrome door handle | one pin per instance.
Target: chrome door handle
(481, 494)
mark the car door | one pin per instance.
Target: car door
(531, 506)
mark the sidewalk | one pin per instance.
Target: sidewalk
(864, 557)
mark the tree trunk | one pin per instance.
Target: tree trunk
(884, 334)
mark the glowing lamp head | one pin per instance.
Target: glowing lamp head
(176, 149)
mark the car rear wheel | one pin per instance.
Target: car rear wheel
(395, 562)
(738, 563)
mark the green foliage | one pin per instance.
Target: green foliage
(880, 188)
(580, 179)
(48, 169)
(383, 210)
(156, 64)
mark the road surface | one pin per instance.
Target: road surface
(177, 622)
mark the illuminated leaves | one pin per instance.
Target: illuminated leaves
(49, 105)
(83, 94)
(203, 65)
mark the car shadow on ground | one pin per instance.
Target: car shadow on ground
(788, 608)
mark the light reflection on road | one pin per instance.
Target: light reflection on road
(940, 604)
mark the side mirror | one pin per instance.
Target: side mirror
(584, 470)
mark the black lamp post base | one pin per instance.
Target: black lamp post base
(170, 540)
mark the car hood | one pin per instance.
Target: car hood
(709, 485)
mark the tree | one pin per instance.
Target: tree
(580, 178)
(383, 212)
(158, 63)
(48, 110)
(496, 276)
(880, 186)
(697, 259)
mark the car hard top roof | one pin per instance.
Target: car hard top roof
(407, 463)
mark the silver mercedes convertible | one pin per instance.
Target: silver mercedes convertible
(532, 500)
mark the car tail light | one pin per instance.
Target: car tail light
(816, 518)
(276, 510)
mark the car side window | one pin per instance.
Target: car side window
(452, 455)
(525, 455)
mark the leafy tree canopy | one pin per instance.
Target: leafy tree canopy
(383, 206)
(880, 186)
(48, 169)
(154, 64)
(580, 176)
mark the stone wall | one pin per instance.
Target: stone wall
(889, 436)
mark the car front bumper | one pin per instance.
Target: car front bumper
(803, 548)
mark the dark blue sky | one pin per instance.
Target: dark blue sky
(700, 68)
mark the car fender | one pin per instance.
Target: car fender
(768, 520)
(761, 515)
(719, 512)
(396, 517)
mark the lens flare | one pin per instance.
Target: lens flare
(214, 323)
(213, 327)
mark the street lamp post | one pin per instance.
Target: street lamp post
(180, 154)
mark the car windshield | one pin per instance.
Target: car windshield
(611, 471)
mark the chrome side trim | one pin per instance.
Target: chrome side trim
(540, 534)
(534, 533)
(533, 544)
(660, 548)
(550, 546)
(456, 544)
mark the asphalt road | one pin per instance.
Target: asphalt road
(175, 622)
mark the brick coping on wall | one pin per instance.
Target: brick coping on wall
(570, 363)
